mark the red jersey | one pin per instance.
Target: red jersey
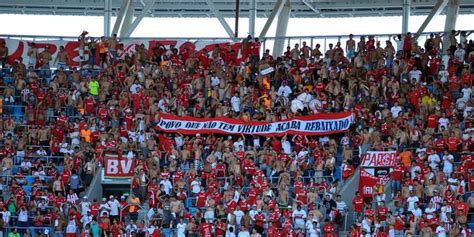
(358, 204)
(201, 199)
(453, 143)
(461, 208)
(382, 213)
(329, 230)
(205, 229)
(432, 121)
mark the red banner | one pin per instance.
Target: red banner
(318, 124)
(19, 48)
(118, 167)
(367, 182)
(374, 171)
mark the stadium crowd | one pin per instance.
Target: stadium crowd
(415, 99)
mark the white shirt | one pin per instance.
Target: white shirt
(399, 43)
(411, 202)
(286, 145)
(179, 141)
(253, 213)
(228, 234)
(341, 206)
(238, 216)
(150, 213)
(443, 122)
(440, 231)
(114, 207)
(209, 215)
(417, 212)
(6, 216)
(196, 186)
(85, 207)
(445, 60)
(131, 227)
(299, 216)
(71, 227)
(305, 97)
(72, 198)
(414, 169)
(163, 104)
(429, 212)
(460, 54)
(467, 92)
(312, 230)
(86, 220)
(415, 74)
(395, 110)
(244, 233)
(215, 81)
(134, 88)
(238, 144)
(235, 103)
(434, 160)
(447, 163)
(256, 142)
(181, 229)
(23, 216)
(167, 185)
(443, 76)
(284, 91)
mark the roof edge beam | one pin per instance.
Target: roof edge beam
(311, 6)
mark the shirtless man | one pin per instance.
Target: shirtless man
(113, 42)
(82, 45)
(3, 53)
(176, 207)
(7, 165)
(316, 53)
(470, 204)
(45, 57)
(32, 54)
(350, 47)
(62, 59)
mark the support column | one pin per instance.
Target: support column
(127, 21)
(123, 10)
(452, 10)
(406, 15)
(252, 17)
(275, 12)
(139, 18)
(439, 6)
(221, 19)
(107, 16)
(282, 26)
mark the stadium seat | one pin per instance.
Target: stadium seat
(189, 203)
(167, 232)
(27, 189)
(192, 211)
(29, 180)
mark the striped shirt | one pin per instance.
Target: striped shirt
(437, 202)
(341, 207)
